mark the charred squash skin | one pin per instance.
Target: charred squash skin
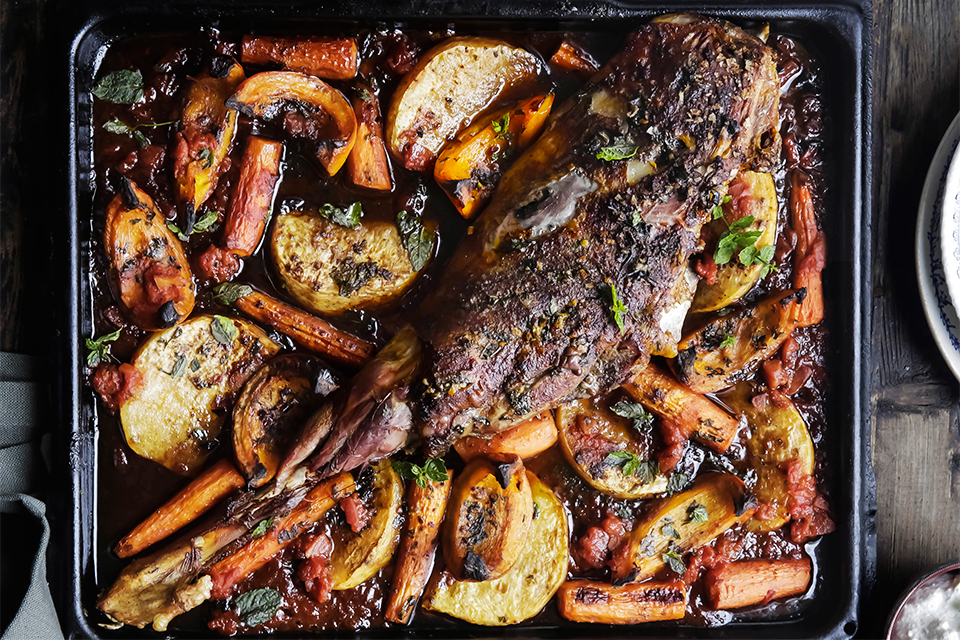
(330, 58)
(307, 107)
(149, 269)
(252, 201)
(488, 518)
(206, 136)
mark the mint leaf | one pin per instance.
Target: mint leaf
(205, 156)
(120, 87)
(669, 531)
(697, 513)
(501, 127)
(205, 222)
(229, 292)
(224, 330)
(99, 349)
(348, 217)
(434, 469)
(675, 562)
(621, 149)
(179, 366)
(677, 482)
(642, 419)
(629, 463)
(617, 308)
(417, 240)
(258, 606)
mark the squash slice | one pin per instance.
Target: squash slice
(188, 374)
(522, 592)
(583, 424)
(450, 86)
(778, 436)
(730, 348)
(714, 503)
(752, 194)
(359, 556)
(307, 107)
(148, 268)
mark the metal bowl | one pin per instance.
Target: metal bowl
(952, 567)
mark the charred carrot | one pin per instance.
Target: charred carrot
(367, 162)
(747, 582)
(196, 498)
(700, 418)
(228, 572)
(252, 200)
(810, 254)
(418, 545)
(309, 331)
(527, 439)
(573, 58)
(592, 601)
(329, 58)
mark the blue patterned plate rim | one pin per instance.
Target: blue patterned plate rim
(950, 228)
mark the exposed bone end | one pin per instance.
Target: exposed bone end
(185, 599)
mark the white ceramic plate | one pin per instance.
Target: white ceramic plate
(940, 311)
(950, 229)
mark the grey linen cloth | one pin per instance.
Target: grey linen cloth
(23, 472)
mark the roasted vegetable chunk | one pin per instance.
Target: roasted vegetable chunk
(306, 107)
(368, 164)
(488, 518)
(740, 584)
(523, 591)
(714, 503)
(607, 451)
(448, 88)
(189, 373)
(148, 267)
(591, 601)
(329, 268)
(360, 555)
(730, 348)
(329, 58)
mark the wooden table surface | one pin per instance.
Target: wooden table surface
(916, 416)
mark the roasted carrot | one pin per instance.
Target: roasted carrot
(252, 199)
(747, 582)
(810, 254)
(592, 601)
(309, 331)
(573, 58)
(228, 572)
(418, 545)
(469, 168)
(203, 492)
(367, 162)
(330, 58)
(527, 439)
(700, 418)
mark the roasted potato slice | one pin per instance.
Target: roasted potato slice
(187, 374)
(148, 268)
(488, 518)
(714, 503)
(729, 348)
(269, 412)
(358, 556)
(778, 436)
(329, 269)
(751, 194)
(523, 591)
(306, 107)
(448, 88)
(589, 433)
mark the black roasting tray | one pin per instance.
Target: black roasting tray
(838, 34)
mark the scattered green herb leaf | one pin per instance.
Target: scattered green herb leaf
(628, 462)
(121, 128)
(764, 255)
(205, 222)
(363, 94)
(98, 349)
(194, 365)
(205, 156)
(621, 149)
(258, 606)
(676, 482)
(617, 308)
(223, 330)
(675, 562)
(229, 292)
(501, 127)
(348, 217)
(642, 419)
(179, 366)
(177, 232)
(697, 513)
(669, 531)
(261, 527)
(120, 87)
(433, 469)
(417, 239)
(728, 341)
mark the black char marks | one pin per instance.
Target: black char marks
(523, 313)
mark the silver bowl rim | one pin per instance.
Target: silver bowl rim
(912, 589)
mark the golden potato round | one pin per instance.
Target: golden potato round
(361, 555)
(525, 589)
(329, 269)
(187, 373)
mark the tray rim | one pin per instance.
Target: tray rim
(74, 450)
